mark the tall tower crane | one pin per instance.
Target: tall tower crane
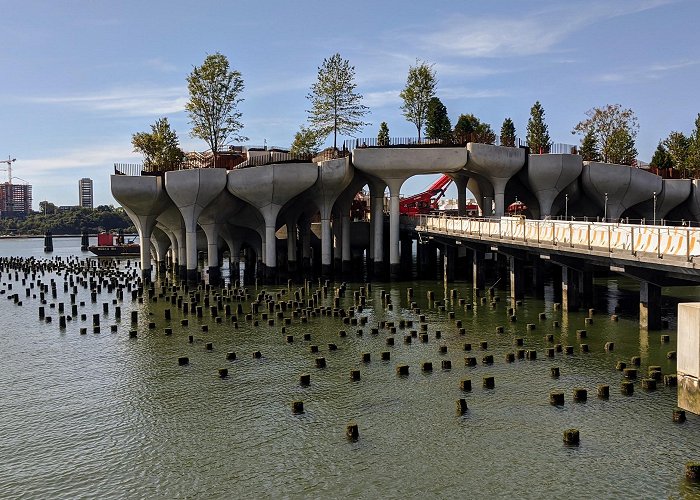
(9, 162)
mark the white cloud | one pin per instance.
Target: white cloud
(382, 99)
(98, 157)
(649, 72)
(124, 101)
(525, 35)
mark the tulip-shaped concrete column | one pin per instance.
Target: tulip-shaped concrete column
(343, 206)
(174, 248)
(172, 220)
(394, 166)
(268, 188)
(615, 188)
(673, 193)
(461, 181)
(497, 164)
(212, 218)
(333, 177)
(144, 199)
(191, 191)
(376, 222)
(161, 243)
(549, 174)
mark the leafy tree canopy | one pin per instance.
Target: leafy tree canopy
(416, 95)
(508, 133)
(605, 124)
(437, 124)
(335, 106)
(213, 106)
(306, 142)
(537, 130)
(589, 147)
(383, 135)
(470, 129)
(661, 158)
(160, 147)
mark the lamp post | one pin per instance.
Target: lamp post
(605, 213)
(566, 207)
(654, 207)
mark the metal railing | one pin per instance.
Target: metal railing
(624, 240)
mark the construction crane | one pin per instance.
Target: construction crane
(427, 201)
(9, 162)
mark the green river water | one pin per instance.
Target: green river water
(108, 416)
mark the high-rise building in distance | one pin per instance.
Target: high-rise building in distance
(15, 200)
(85, 198)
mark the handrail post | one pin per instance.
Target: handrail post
(571, 235)
(588, 231)
(538, 232)
(632, 232)
(687, 244)
(609, 240)
(658, 242)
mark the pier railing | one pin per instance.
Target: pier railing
(629, 240)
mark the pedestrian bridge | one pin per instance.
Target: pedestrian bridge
(669, 246)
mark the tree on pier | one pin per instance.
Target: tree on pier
(661, 159)
(383, 135)
(694, 149)
(589, 147)
(470, 129)
(677, 145)
(537, 131)
(620, 148)
(213, 105)
(160, 147)
(306, 142)
(416, 95)
(611, 125)
(437, 123)
(335, 106)
(508, 133)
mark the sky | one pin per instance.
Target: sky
(78, 78)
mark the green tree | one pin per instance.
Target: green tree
(213, 106)
(416, 95)
(508, 133)
(465, 127)
(470, 129)
(383, 135)
(537, 131)
(160, 147)
(335, 106)
(307, 142)
(661, 159)
(620, 148)
(437, 123)
(693, 160)
(677, 145)
(589, 147)
(605, 124)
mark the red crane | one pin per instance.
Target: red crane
(427, 201)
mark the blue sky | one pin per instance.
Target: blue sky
(78, 78)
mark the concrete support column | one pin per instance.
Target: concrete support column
(305, 233)
(487, 206)
(517, 281)
(326, 237)
(688, 363)
(586, 287)
(477, 270)
(182, 251)
(270, 251)
(650, 306)
(377, 222)
(569, 289)
(212, 233)
(538, 277)
(337, 243)
(291, 245)
(346, 253)
(461, 184)
(394, 226)
(462, 263)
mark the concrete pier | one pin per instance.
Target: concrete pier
(688, 360)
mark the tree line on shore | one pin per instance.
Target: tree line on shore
(608, 133)
(71, 221)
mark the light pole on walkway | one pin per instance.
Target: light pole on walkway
(605, 213)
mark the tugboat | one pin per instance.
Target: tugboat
(110, 245)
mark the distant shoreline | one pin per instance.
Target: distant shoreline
(30, 236)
